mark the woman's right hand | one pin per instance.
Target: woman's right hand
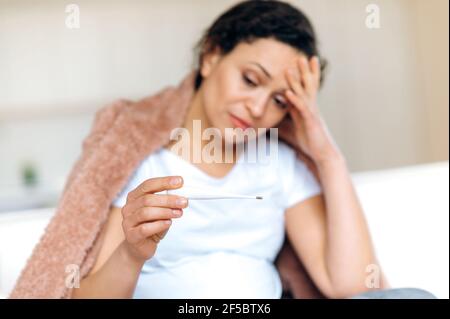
(147, 216)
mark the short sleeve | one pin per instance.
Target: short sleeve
(298, 182)
(139, 175)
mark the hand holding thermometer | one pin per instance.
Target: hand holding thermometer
(195, 193)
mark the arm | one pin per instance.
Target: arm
(130, 237)
(329, 233)
(104, 280)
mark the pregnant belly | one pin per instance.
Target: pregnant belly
(217, 275)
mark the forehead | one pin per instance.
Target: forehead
(276, 57)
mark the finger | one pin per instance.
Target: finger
(299, 104)
(294, 82)
(155, 238)
(154, 200)
(163, 234)
(154, 185)
(159, 236)
(306, 75)
(297, 118)
(146, 230)
(160, 200)
(315, 69)
(149, 214)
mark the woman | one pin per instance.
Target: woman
(258, 66)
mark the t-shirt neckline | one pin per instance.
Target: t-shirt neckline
(205, 175)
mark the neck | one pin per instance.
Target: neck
(196, 111)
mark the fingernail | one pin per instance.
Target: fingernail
(168, 222)
(181, 201)
(175, 181)
(176, 212)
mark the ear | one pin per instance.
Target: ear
(209, 62)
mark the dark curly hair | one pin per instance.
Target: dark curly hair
(254, 19)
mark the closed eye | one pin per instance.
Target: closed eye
(248, 81)
(280, 103)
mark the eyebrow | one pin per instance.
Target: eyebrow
(263, 69)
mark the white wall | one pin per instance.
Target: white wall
(432, 32)
(385, 97)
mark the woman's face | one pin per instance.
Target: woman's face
(248, 85)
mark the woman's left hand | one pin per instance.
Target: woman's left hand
(311, 132)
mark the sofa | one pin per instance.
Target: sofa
(407, 209)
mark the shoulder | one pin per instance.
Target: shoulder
(109, 112)
(103, 120)
(285, 150)
(279, 162)
(286, 156)
(289, 166)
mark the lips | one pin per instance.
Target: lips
(238, 122)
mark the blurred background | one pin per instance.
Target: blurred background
(385, 97)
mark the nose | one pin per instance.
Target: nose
(256, 105)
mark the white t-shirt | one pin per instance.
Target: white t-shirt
(223, 248)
